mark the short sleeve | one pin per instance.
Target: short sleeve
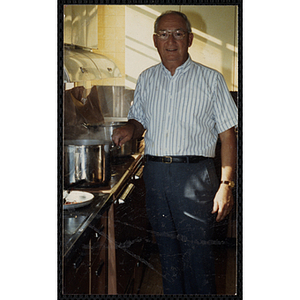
(225, 109)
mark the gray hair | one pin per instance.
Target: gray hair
(170, 12)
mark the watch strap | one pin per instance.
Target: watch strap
(230, 183)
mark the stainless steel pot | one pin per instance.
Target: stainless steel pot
(86, 162)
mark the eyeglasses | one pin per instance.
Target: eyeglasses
(177, 34)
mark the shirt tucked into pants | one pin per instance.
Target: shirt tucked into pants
(179, 200)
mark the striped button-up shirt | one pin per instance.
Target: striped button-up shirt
(184, 113)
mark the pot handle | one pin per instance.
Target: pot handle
(114, 147)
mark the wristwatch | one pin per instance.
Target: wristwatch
(230, 183)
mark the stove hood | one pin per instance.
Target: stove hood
(84, 65)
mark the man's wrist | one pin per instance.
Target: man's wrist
(229, 183)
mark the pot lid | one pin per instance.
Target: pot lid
(84, 65)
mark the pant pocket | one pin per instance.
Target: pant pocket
(201, 182)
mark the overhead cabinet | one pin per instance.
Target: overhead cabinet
(81, 25)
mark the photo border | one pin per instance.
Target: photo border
(239, 184)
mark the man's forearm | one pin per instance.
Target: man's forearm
(228, 154)
(138, 128)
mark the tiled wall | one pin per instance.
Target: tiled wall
(111, 39)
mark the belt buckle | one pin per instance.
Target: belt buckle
(167, 162)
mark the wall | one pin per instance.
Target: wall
(214, 45)
(125, 36)
(111, 39)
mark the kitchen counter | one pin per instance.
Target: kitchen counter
(78, 222)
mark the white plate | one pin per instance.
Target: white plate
(77, 199)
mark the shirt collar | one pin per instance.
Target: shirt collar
(181, 69)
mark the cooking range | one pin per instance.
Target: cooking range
(103, 209)
(79, 214)
(93, 227)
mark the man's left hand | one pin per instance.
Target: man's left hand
(223, 202)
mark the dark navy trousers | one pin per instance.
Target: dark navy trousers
(179, 201)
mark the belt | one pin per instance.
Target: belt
(176, 159)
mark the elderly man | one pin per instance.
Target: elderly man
(184, 107)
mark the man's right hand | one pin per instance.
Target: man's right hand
(123, 134)
(132, 130)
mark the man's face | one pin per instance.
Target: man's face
(173, 53)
